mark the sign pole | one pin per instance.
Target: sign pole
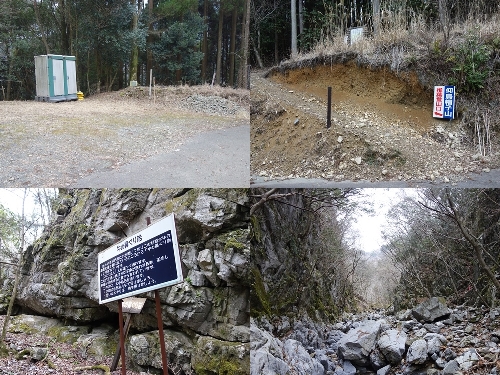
(160, 324)
(161, 334)
(122, 337)
(114, 364)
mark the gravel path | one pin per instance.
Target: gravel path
(56, 145)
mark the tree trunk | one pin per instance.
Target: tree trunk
(42, 31)
(17, 277)
(376, 17)
(134, 55)
(476, 245)
(293, 11)
(149, 63)
(205, 43)
(257, 55)
(64, 27)
(232, 49)
(301, 17)
(218, 79)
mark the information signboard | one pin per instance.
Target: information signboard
(444, 102)
(142, 262)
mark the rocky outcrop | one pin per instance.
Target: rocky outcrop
(208, 312)
(431, 310)
(467, 342)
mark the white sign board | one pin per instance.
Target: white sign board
(144, 261)
(444, 102)
(356, 34)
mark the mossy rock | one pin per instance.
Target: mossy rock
(31, 324)
(67, 334)
(216, 357)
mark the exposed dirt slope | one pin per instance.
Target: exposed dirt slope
(382, 128)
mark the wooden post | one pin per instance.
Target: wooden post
(161, 334)
(160, 324)
(122, 337)
(150, 81)
(329, 109)
(114, 364)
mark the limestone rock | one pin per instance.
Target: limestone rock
(357, 344)
(431, 310)
(417, 352)
(144, 349)
(297, 358)
(392, 345)
(217, 356)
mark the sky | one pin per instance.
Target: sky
(12, 199)
(369, 227)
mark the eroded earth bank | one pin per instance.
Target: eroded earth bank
(382, 127)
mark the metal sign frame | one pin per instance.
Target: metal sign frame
(150, 243)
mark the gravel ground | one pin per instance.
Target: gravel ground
(56, 144)
(64, 358)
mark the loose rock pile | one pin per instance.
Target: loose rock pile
(214, 105)
(431, 339)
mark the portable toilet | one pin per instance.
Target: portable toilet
(55, 78)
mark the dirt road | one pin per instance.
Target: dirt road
(57, 145)
(382, 129)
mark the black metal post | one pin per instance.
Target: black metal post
(329, 109)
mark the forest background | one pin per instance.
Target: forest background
(117, 41)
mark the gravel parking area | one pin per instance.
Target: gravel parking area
(56, 144)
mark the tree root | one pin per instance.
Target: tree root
(104, 368)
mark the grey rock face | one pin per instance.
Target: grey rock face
(431, 310)
(357, 344)
(262, 362)
(60, 270)
(417, 352)
(392, 345)
(297, 357)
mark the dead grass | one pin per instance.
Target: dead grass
(433, 56)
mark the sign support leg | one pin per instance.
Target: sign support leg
(160, 331)
(114, 365)
(122, 337)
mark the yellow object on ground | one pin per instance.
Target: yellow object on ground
(79, 94)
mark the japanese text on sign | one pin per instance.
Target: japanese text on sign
(444, 102)
(147, 261)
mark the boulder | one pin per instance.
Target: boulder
(384, 370)
(467, 359)
(297, 358)
(358, 343)
(392, 345)
(263, 362)
(451, 368)
(431, 310)
(212, 356)
(417, 352)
